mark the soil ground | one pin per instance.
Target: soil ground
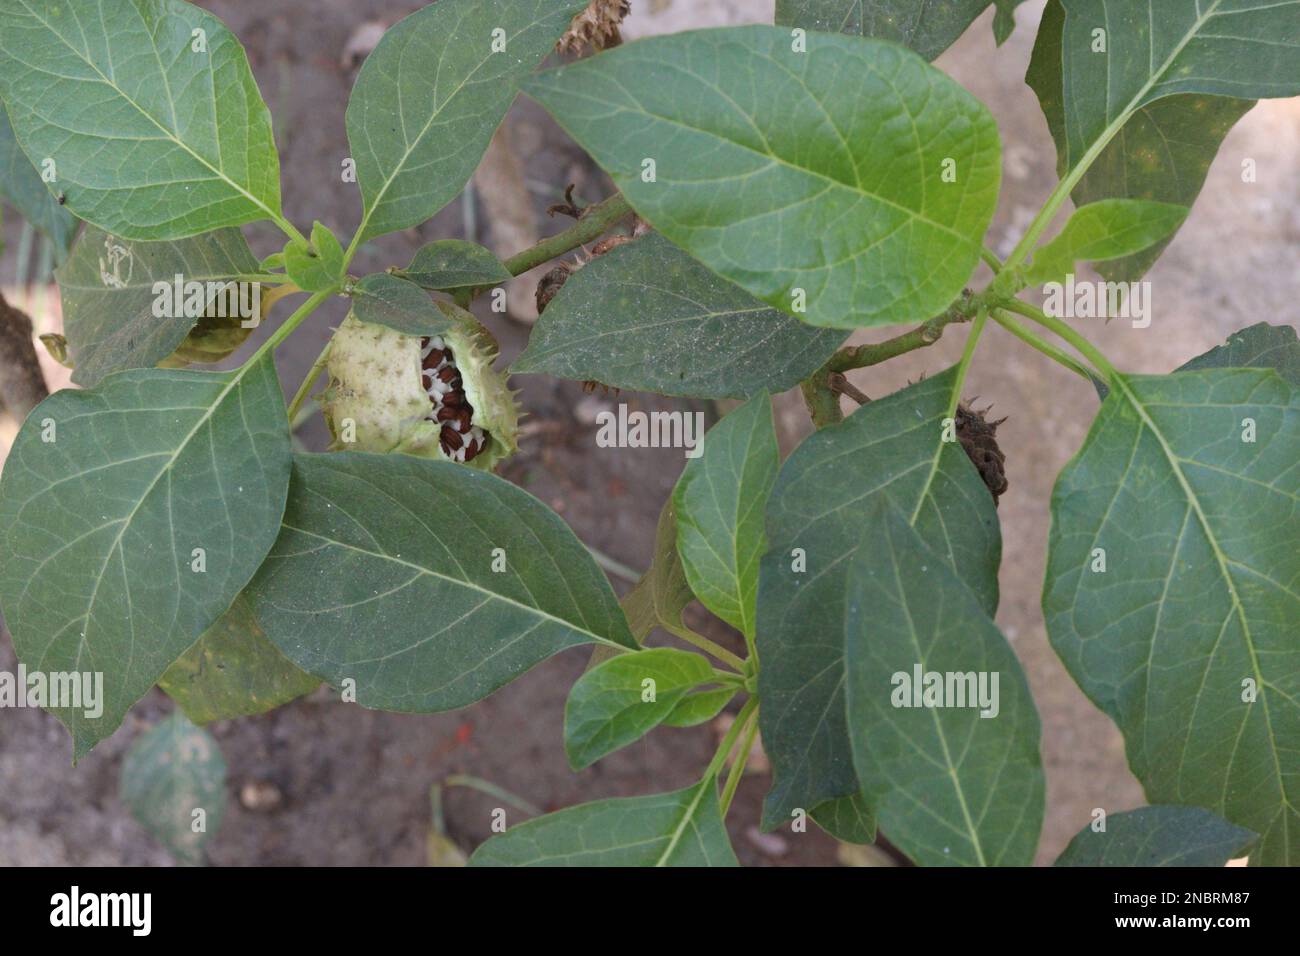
(352, 785)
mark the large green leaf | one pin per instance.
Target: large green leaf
(454, 264)
(611, 705)
(647, 316)
(682, 828)
(174, 783)
(1106, 229)
(152, 138)
(1258, 346)
(234, 671)
(821, 172)
(430, 96)
(1158, 836)
(1175, 79)
(822, 504)
(21, 184)
(1173, 588)
(720, 499)
(383, 574)
(129, 533)
(399, 304)
(109, 302)
(928, 28)
(960, 783)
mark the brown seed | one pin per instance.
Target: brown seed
(450, 436)
(447, 374)
(454, 397)
(472, 448)
(447, 413)
(433, 359)
(463, 420)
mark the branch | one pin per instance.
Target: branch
(927, 333)
(595, 221)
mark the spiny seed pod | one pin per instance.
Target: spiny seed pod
(432, 397)
(978, 439)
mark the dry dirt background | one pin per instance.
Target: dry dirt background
(348, 786)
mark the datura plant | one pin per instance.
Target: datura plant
(774, 187)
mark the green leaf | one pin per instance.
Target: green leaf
(384, 299)
(1200, 591)
(234, 671)
(848, 819)
(956, 784)
(927, 28)
(682, 828)
(822, 505)
(152, 139)
(318, 267)
(781, 175)
(454, 264)
(1159, 836)
(647, 316)
(433, 92)
(110, 308)
(608, 706)
(383, 574)
(699, 706)
(173, 777)
(1259, 346)
(21, 184)
(720, 499)
(99, 526)
(1146, 101)
(1106, 229)
(662, 593)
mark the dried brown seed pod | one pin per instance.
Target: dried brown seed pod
(978, 436)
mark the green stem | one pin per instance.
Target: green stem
(1051, 351)
(1081, 344)
(738, 767)
(614, 567)
(289, 324)
(492, 790)
(290, 230)
(967, 354)
(301, 395)
(729, 741)
(704, 644)
(730, 678)
(990, 259)
(596, 220)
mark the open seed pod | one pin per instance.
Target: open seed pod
(430, 396)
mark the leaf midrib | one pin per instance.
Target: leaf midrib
(492, 595)
(1222, 562)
